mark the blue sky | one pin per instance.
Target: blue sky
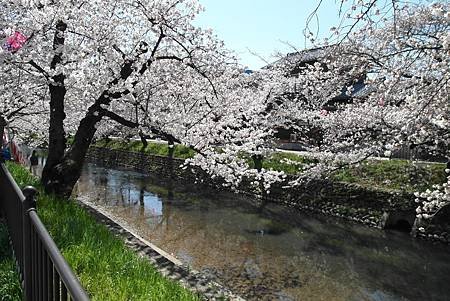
(263, 25)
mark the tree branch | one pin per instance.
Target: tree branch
(39, 68)
(118, 118)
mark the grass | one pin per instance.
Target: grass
(107, 269)
(287, 162)
(10, 288)
(160, 149)
(393, 174)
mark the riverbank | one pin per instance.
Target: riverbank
(374, 205)
(107, 269)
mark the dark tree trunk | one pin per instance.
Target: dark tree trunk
(2, 132)
(170, 180)
(57, 135)
(63, 176)
(143, 140)
(171, 149)
(258, 162)
(63, 169)
(2, 127)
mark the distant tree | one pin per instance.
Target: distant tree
(403, 50)
(404, 60)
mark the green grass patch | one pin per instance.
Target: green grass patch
(107, 269)
(393, 174)
(10, 288)
(153, 148)
(287, 162)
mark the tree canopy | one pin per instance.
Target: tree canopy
(92, 68)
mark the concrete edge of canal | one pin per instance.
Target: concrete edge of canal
(166, 264)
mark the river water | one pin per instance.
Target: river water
(272, 253)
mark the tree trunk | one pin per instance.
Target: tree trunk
(63, 176)
(62, 170)
(170, 180)
(258, 162)
(143, 140)
(3, 124)
(2, 131)
(57, 135)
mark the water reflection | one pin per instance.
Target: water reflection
(276, 253)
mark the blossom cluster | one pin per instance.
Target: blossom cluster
(129, 68)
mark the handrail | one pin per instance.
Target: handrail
(44, 272)
(62, 267)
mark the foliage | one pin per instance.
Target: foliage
(105, 266)
(401, 51)
(431, 200)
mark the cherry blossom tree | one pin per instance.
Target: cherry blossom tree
(94, 58)
(226, 127)
(141, 68)
(138, 68)
(402, 50)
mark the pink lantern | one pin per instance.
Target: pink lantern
(15, 42)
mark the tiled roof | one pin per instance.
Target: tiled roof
(304, 56)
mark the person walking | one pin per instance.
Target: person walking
(34, 162)
(6, 153)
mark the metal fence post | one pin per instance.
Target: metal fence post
(29, 204)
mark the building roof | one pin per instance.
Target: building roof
(296, 60)
(301, 57)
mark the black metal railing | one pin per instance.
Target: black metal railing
(44, 273)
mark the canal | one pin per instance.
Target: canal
(271, 253)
